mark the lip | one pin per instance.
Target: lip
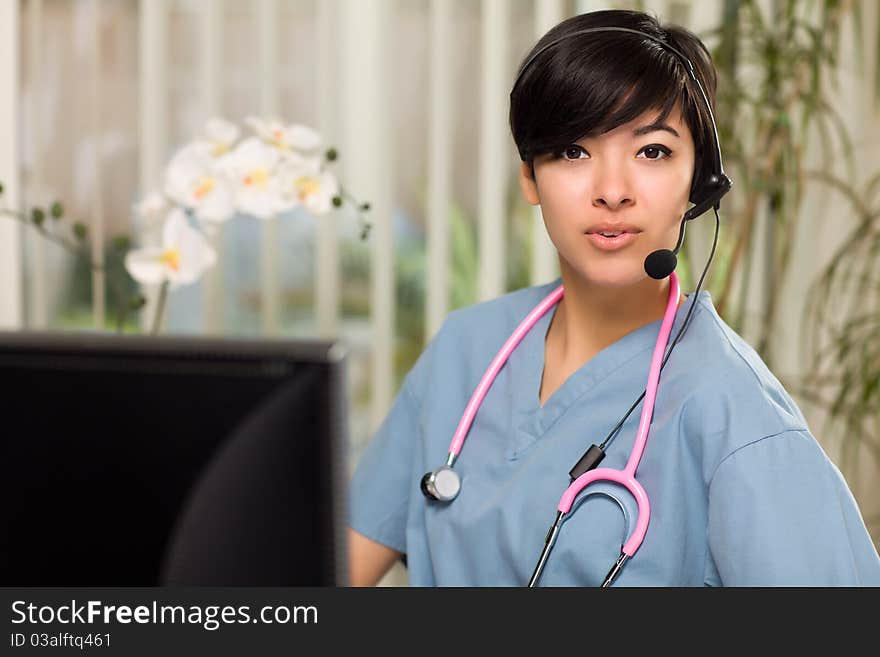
(611, 243)
(613, 228)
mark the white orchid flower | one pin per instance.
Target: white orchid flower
(293, 137)
(303, 138)
(192, 180)
(182, 259)
(221, 134)
(303, 183)
(151, 208)
(252, 170)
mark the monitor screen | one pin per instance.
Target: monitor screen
(171, 460)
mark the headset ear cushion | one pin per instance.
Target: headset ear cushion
(698, 189)
(698, 193)
(705, 189)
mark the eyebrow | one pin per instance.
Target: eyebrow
(645, 129)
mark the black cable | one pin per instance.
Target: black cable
(595, 454)
(678, 335)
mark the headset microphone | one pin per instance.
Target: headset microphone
(661, 263)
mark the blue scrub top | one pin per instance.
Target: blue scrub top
(741, 493)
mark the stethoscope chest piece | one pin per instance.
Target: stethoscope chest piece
(442, 484)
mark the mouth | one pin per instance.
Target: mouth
(611, 241)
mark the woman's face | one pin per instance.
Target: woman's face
(635, 178)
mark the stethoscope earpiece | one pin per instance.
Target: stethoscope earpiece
(442, 484)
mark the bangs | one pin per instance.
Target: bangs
(576, 84)
(594, 83)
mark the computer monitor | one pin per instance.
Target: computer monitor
(171, 460)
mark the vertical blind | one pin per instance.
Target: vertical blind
(354, 67)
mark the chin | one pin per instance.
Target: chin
(621, 274)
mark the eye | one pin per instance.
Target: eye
(653, 152)
(572, 152)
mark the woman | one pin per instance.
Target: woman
(615, 143)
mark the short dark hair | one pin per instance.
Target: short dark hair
(589, 84)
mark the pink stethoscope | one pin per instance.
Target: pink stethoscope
(443, 484)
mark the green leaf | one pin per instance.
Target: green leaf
(57, 210)
(80, 231)
(38, 216)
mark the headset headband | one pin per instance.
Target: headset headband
(687, 64)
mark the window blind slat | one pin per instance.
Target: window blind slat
(327, 275)
(270, 273)
(11, 316)
(494, 152)
(440, 134)
(153, 104)
(211, 85)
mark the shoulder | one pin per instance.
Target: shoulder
(781, 513)
(483, 327)
(731, 397)
(471, 336)
(498, 314)
(793, 452)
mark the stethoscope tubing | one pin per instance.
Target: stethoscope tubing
(627, 476)
(447, 489)
(482, 388)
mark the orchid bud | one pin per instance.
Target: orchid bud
(121, 243)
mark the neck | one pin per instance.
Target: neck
(590, 317)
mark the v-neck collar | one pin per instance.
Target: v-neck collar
(527, 363)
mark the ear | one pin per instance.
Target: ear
(528, 184)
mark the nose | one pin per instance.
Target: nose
(611, 191)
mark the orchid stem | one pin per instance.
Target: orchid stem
(78, 251)
(160, 308)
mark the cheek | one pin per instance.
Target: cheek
(564, 189)
(668, 189)
(564, 200)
